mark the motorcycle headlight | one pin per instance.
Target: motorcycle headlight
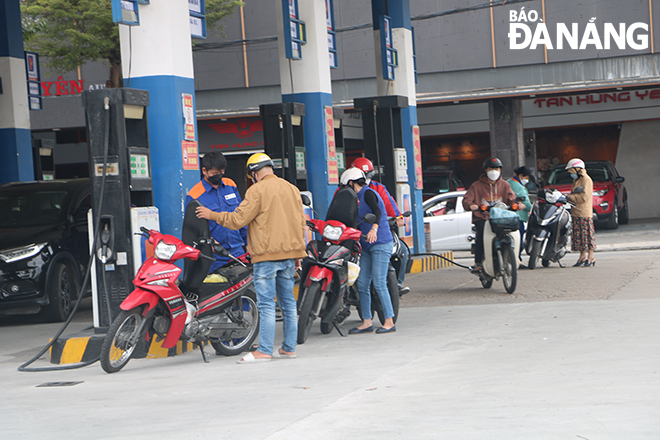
(11, 255)
(332, 232)
(601, 193)
(337, 262)
(164, 251)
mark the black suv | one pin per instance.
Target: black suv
(44, 246)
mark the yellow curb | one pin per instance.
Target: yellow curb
(431, 262)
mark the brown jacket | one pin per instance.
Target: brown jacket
(584, 204)
(273, 212)
(482, 192)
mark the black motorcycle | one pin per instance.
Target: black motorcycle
(548, 229)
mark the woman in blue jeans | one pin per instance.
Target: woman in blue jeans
(376, 253)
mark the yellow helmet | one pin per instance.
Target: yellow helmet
(257, 161)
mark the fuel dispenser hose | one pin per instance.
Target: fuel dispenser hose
(24, 367)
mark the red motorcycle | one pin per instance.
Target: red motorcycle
(224, 313)
(325, 270)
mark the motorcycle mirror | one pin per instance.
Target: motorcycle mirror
(520, 199)
(305, 200)
(578, 190)
(369, 218)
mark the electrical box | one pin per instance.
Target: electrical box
(400, 165)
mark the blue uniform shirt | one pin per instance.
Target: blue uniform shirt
(223, 199)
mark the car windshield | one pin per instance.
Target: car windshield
(560, 176)
(36, 208)
(436, 184)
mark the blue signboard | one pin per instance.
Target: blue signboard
(294, 30)
(197, 11)
(332, 38)
(389, 55)
(125, 12)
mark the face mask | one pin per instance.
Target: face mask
(493, 174)
(215, 180)
(574, 176)
(524, 181)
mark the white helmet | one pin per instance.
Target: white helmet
(352, 174)
(575, 163)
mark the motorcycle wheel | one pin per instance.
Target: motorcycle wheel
(326, 328)
(117, 349)
(545, 262)
(509, 269)
(393, 289)
(534, 254)
(305, 316)
(234, 346)
(487, 284)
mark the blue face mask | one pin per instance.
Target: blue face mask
(574, 176)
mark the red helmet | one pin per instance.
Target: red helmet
(365, 165)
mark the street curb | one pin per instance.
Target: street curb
(85, 346)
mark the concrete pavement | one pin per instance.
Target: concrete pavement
(527, 370)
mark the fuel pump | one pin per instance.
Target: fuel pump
(383, 145)
(120, 173)
(284, 140)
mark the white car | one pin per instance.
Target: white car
(450, 224)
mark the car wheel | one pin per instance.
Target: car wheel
(61, 291)
(613, 221)
(624, 215)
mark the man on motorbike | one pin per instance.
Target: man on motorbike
(489, 189)
(391, 208)
(273, 212)
(219, 194)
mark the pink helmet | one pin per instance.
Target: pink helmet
(575, 163)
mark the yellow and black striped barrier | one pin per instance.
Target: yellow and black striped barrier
(425, 263)
(85, 347)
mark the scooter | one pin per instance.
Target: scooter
(324, 276)
(548, 229)
(189, 310)
(501, 245)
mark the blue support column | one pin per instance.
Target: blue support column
(158, 55)
(310, 79)
(404, 85)
(15, 137)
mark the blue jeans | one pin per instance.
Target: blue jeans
(275, 278)
(374, 264)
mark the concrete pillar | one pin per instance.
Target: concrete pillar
(506, 133)
(157, 55)
(402, 85)
(15, 138)
(308, 81)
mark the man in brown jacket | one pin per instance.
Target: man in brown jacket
(488, 190)
(273, 212)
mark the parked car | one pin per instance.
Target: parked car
(610, 195)
(44, 246)
(441, 181)
(449, 223)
